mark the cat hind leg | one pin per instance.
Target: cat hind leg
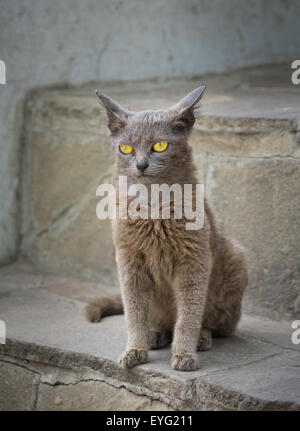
(159, 338)
(228, 283)
(205, 340)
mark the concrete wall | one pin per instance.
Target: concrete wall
(71, 41)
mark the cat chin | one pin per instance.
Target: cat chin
(144, 178)
(152, 179)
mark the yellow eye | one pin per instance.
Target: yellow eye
(126, 149)
(159, 147)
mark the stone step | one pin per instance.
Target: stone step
(54, 359)
(246, 147)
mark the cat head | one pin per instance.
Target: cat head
(151, 146)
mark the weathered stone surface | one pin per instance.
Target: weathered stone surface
(64, 166)
(78, 243)
(17, 388)
(254, 370)
(279, 373)
(257, 203)
(93, 395)
(200, 160)
(71, 288)
(58, 112)
(238, 144)
(66, 170)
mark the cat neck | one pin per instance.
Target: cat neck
(188, 178)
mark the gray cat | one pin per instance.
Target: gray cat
(178, 285)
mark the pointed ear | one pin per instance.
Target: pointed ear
(116, 115)
(183, 111)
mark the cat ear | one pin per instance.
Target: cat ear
(183, 111)
(116, 115)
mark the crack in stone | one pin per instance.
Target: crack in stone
(292, 349)
(246, 364)
(154, 396)
(17, 364)
(143, 392)
(176, 397)
(36, 381)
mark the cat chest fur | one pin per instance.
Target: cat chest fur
(160, 245)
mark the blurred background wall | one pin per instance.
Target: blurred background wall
(71, 42)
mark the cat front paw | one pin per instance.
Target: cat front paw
(132, 357)
(185, 362)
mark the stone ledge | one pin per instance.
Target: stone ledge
(241, 104)
(60, 361)
(143, 389)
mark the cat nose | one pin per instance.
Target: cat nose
(142, 165)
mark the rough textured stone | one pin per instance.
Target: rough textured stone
(257, 203)
(93, 395)
(48, 336)
(72, 288)
(64, 166)
(60, 111)
(9, 182)
(276, 374)
(78, 243)
(250, 144)
(17, 388)
(65, 171)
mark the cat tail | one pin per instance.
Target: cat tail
(104, 306)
